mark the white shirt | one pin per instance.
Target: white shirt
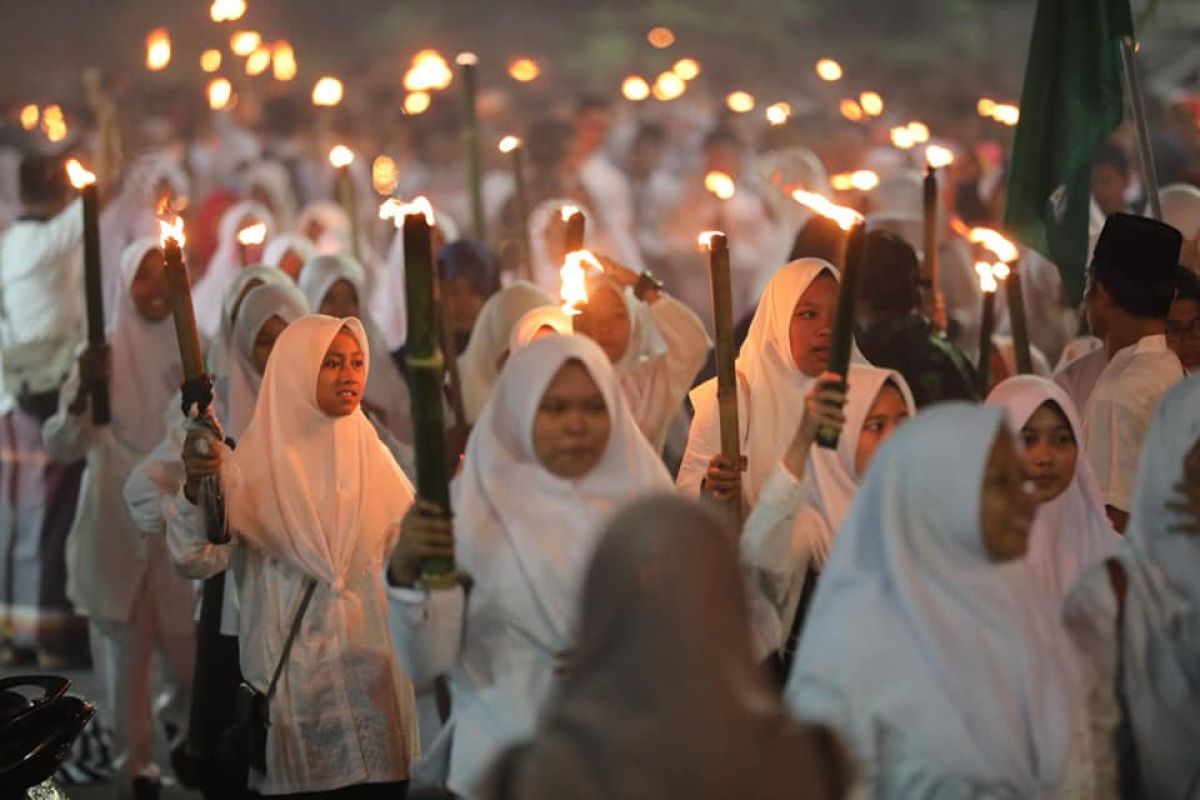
(614, 209)
(1118, 413)
(1078, 376)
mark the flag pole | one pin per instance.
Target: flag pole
(1137, 103)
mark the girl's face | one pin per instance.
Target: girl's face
(342, 376)
(605, 320)
(462, 303)
(264, 343)
(1005, 510)
(885, 415)
(812, 325)
(1051, 452)
(291, 263)
(572, 424)
(341, 300)
(149, 288)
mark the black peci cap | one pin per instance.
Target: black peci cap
(1137, 248)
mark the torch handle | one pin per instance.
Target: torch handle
(349, 203)
(986, 328)
(521, 194)
(727, 401)
(931, 262)
(1020, 326)
(470, 137)
(843, 327)
(576, 228)
(180, 290)
(93, 286)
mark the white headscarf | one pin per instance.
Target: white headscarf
(536, 320)
(1072, 530)
(478, 364)
(933, 658)
(388, 302)
(899, 193)
(552, 524)
(1007, 348)
(146, 371)
(281, 300)
(225, 263)
(1181, 208)
(771, 387)
(335, 238)
(246, 279)
(1161, 645)
(280, 244)
(303, 486)
(272, 178)
(387, 391)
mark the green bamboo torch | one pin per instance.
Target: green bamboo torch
(468, 63)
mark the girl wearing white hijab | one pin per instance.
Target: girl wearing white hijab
(786, 349)
(558, 427)
(388, 301)
(655, 343)
(336, 285)
(1071, 530)
(218, 356)
(792, 528)
(119, 578)
(661, 697)
(289, 252)
(226, 262)
(926, 647)
(480, 364)
(1004, 361)
(313, 498)
(1146, 647)
(539, 322)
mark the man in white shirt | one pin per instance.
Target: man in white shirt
(1131, 282)
(604, 182)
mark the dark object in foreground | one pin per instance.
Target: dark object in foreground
(36, 733)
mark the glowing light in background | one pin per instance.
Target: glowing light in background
(635, 88)
(210, 60)
(243, 43)
(687, 68)
(524, 70)
(327, 92)
(158, 49)
(662, 38)
(740, 102)
(829, 70)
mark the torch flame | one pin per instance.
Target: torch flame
(253, 234)
(243, 43)
(158, 49)
(937, 156)
(994, 243)
(960, 227)
(30, 114)
(902, 138)
(850, 109)
(1006, 114)
(635, 88)
(327, 92)
(987, 281)
(740, 102)
(509, 143)
(919, 131)
(397, 210)
(171, 230)
(341, 156)
(79, 176)
(669, 86)
(705, 240)
(428, 72)
(524, 70)
(227, 10)
(872, 103)
(210, 60)
(220, 92)
(384, 174)
(466, 59)
(574, 279)
(829, 70)
(846, 218)
(778, 113)
(258, 61)
(721, 184)
(283, 61)
(687, 68)
(568, 211)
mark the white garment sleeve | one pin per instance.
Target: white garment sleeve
(56, 239)
(192, 553)
(68, 436)
(1115, 455)
(661, 384)
(427, 629)
(704, 442)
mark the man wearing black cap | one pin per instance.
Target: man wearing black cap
(893, 333)
(1131, 282)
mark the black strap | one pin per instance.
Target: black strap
(1128, 768)
(787, 653)
(309, 588)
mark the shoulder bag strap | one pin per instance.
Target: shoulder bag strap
(310, 587)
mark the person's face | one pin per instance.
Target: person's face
(461, 303)
(997, 370)
(1050, 452)
(149, 288)
(572, 424)
(1108, 187)
(591, 130)
(812, 325)
(342, 375)
(341, 300)
(605, 320)
(886, 414)
(1005, 510)
(1183, 332)
(264, 342)
(291, 264)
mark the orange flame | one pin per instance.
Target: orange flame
(220, 92)
(994, 243)
(243, 43)
(509, 143)
(253, 234)
(227, 10)
(574, 279)
(829, 70)
(987, 281)
(428, 72)
(341, 156)
(937, 156)
(397, 210)
(327, 92)
(524, 70)
(635, 88)
(846, 218)
(171, 230)
(568, 211)
(705, 240)
(720, 184)
(158, 49)
(79, 176)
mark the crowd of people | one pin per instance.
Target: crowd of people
(984, 588)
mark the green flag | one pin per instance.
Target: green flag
(1071, 102)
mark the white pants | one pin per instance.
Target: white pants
(123, 653)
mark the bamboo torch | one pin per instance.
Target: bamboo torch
(1006, 270)
(93, 285)
(468, 63)
(989, 284)
(425, 368)
(251, 236)
(576, 228)
(936, 157)
(847, 308)
(197, 389)
(717, 245)
(511, 146)
(341, 157)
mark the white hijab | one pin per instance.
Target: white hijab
(1072, 530)
(246, 279)
(388, 302)
(272, 178)
(478, 364)
(146, 371)
(536, 320)
(1007, 348)
(1161, 645)
(280, 244)
(1181, 208)
(225, 263)
(771, 388)
(387, 391)
(552, 524)
(933, 658)
(260, 304)
(305, 487)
